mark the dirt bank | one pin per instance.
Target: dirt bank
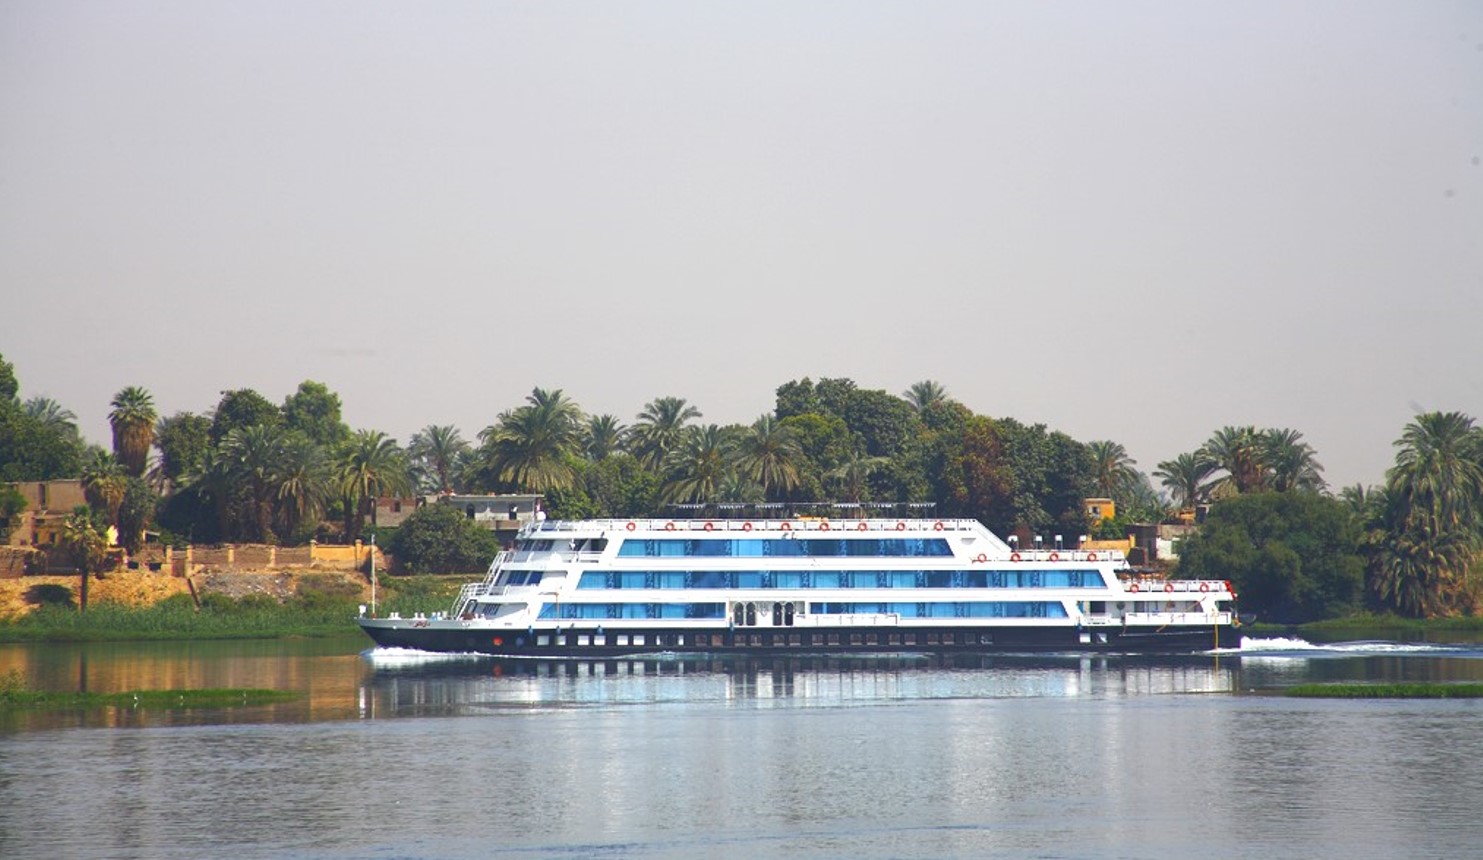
(143, 588)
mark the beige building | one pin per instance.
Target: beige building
(47, 504)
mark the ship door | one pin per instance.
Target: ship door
(751, 615)
(738, 614)
(788, 614)
(777, 615)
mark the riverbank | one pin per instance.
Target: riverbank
(136, 606)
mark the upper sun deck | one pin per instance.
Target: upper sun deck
(963, 538)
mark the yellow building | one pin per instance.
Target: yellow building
(1099, 510)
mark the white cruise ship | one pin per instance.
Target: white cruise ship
(608, 588)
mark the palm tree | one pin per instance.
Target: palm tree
(104, 483)
(302, 482)
(660, 428)
(699, 466)
(1293, 462)
(1438, 472)
(435, 451)
(1184, 478)
(769, 454)
(252, 456)
(1239, 452)
(51, 415)
(1113, 472)
(530, 448)
(925, 393)
(88, 548)
(371, 465)
(132, 418)
(852, 478)
(602, 437)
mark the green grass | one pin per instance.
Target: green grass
(177, 618)
(1388, 691)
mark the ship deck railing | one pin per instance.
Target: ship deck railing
(1177, 586)
(745, 525)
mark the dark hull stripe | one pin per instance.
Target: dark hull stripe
(863, 640)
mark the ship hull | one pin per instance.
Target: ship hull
(444, 636)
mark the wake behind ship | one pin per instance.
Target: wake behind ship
(608, 588)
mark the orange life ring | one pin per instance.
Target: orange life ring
(669, 527)
(937, 525)
(631, 526)
(824, 526)
(861, 527)
(1204, 588)
(1091, 556)
(1014, 556)
(1132, 588)
(746, 527)
(1055, 556)
(981, 558)
(900, 526)
(710, 527)
(787, 527)
(1168, 588)
(498, 641)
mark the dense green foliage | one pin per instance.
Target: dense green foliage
(440, 539)
(248, 470)
(1292, 557)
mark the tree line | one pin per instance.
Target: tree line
(252, 470)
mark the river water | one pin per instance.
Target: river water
(400, 755)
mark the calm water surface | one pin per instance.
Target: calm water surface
(398, 755)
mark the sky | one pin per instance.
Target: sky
(1136, 221)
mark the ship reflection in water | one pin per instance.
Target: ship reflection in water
(414, 683)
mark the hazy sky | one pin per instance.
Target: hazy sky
(1128, 221)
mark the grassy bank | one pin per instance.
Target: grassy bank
(320, 608)
(1388, 691)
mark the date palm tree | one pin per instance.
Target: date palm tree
(51, 415)
(660, 429)
(1113, 472)
(104, 483)
(1184, 477)
(851, 480)
(1293, 463)
(435, 451)
(253, 456)
(1438, 471)
(88, 548)
(371, 465)
(602, 437)
(769, 454)
(132, 419)
(699, 466)
(530, 449)
(924, 394)
(302, 482)
(1239, 452)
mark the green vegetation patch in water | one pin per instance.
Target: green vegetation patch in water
(15, 694)
(1388, 691)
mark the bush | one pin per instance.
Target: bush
(440, 539)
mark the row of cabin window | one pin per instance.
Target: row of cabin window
(680, 579)
(949, 609)
(766, 640)
(785, 548)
